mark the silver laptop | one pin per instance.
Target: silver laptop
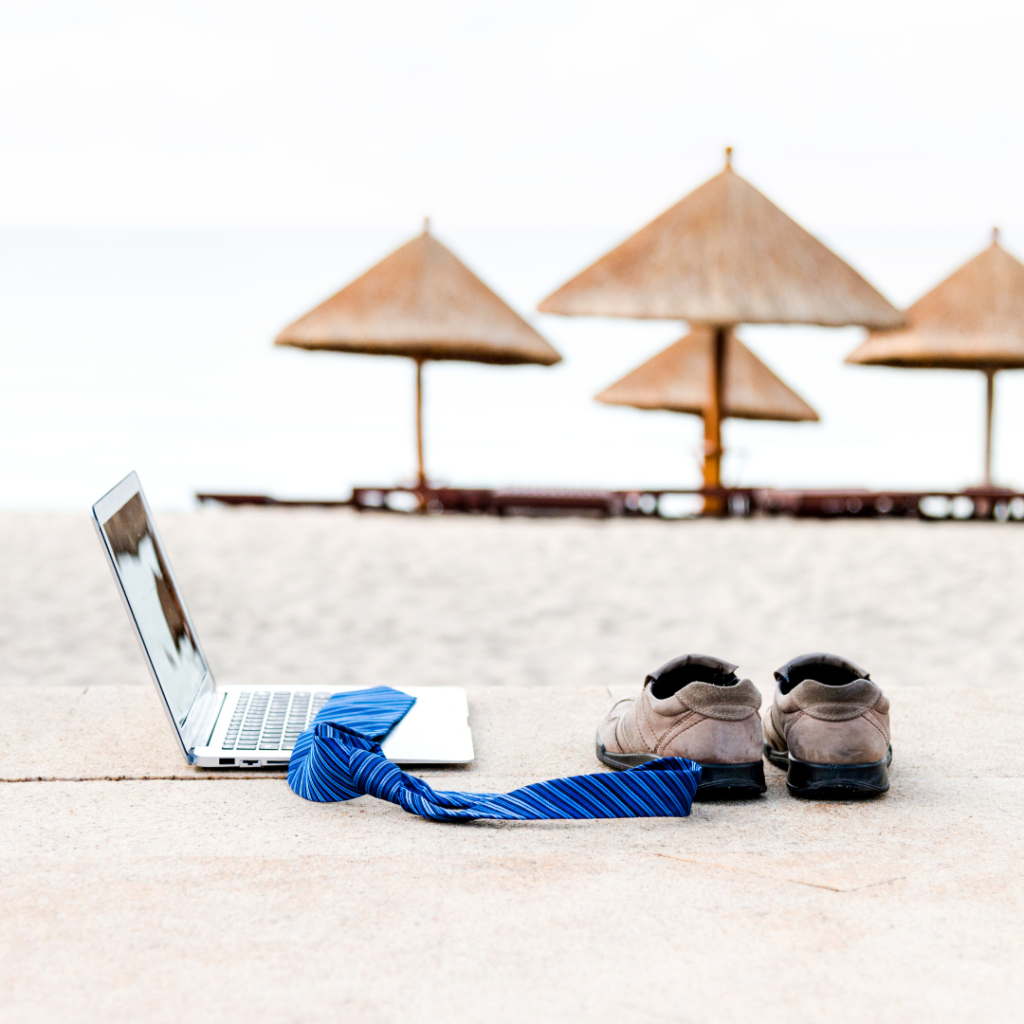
(241, 726)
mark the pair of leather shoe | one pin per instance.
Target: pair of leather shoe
(828, 727)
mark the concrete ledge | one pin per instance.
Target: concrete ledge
(63, 733)
(150, 900)
(524, 733)
(117, 733)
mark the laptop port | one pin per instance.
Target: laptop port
(250, 762)
(276, 762)
(227, 760)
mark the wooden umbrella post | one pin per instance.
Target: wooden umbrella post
(990, 395)
(714, 505)
(421, 476)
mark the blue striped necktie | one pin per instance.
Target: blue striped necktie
(338, 758)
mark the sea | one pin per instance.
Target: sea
(151, 350)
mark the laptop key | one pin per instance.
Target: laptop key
(297, 716)
(271, 738)
(253, 724)
(236, 721)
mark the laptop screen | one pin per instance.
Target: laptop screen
(155, 605)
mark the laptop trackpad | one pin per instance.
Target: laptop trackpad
(436, 729)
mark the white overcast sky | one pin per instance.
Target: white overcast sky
(253, 157)
(866, 115)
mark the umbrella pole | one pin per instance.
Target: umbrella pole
(990, 396)
(421, 476)
(714, 505)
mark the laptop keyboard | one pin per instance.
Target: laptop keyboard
(267, 720)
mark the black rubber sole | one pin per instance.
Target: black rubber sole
(831, 781)
(717, 781)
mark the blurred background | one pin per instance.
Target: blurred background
(178, 181)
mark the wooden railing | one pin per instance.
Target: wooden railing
(1000, 504)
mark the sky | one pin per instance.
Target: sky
(524, 114)
(180, 180)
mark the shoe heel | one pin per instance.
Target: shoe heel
(731, 781)
(838, 781)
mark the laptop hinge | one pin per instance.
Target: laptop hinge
(201, 717)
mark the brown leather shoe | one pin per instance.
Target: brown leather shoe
(694, 707)
(829, 728)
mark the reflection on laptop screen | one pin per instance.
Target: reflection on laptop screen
(155, 605)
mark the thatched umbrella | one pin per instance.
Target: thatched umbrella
(423, 303)
(722, 256)
(679, 379)
(974, 320)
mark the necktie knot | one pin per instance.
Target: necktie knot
(338, 758)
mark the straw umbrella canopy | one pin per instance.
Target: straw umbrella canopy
(724, 255)
(679, 379)
(974, 320)
(423, 303)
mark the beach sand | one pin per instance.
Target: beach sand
(332, 597)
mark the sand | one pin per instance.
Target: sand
(337, 598)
